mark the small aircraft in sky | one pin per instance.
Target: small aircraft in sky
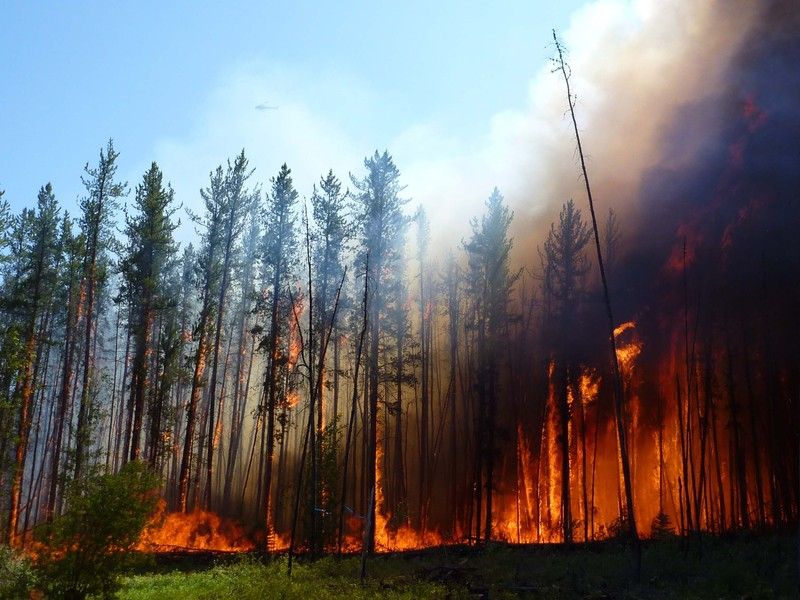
(266, 106)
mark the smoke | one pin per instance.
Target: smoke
(635, 67)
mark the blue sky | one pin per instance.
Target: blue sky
(461, 94)
(77, 73)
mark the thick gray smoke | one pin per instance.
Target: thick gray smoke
(636, 66)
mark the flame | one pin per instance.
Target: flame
(629, 348)
(195, 531)
(295, 347)
(292, 398)
(387, 537)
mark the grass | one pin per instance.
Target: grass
(248, 578)
(731, 567)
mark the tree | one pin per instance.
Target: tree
(247, 289)
(69, 286)
(619, 408)
(451, 278)
(423, 240)
(279, 259)
(210, 225)
(97, 222)
(490, 282)
(331, 235)
(33, 293)
(566, 266)
(382, 224)
(84, 551)
(150, 247)
(237, 203)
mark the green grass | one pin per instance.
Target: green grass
(249, 578)
(747, 567)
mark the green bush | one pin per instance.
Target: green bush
(87, 548)
(17, 576)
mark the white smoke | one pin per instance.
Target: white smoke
(634, 63)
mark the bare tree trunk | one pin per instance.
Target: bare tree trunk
(269, 387)
(424, 403)
(140, 378)
(63, 399)
(191, 410)
(353, 409)
(619, 409)
(223, 290)
(374, 355)
(23, 431)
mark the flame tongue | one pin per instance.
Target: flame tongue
(195, 531)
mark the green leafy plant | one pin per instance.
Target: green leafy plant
(17, 576)
(85, 550)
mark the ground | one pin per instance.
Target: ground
(730, 567)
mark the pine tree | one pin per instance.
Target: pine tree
(490, 282)
(150, 247)
(97, 222)
(279, 259)
(210, 226)
(74, 248)
(566, 264)
(33, 293)
(247, 290)
(331, 235)
(383, 225)
(237, 203)
(423, 240)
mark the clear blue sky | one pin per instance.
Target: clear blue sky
(77, 73)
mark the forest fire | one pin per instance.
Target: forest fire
(192, 532)
(320, 374)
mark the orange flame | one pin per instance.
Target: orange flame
(195, 531)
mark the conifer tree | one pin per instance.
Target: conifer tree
(97, 222)
(382, 224)
(567, 264)
(210, 225)
(279, 259)
(150, 247)
(490, 282)
(34, 290)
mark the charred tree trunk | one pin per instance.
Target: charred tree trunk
(191, 409)
(140, 377)
(619, 408)
(353, 409)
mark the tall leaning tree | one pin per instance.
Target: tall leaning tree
(619, 401)
(97, 222)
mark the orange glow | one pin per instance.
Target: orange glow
(195, 531)
(628, 346)
(292, 398)
(404, 537)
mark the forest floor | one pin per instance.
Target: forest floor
(718, 567)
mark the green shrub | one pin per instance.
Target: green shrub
(17, 576)
(87, 548)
